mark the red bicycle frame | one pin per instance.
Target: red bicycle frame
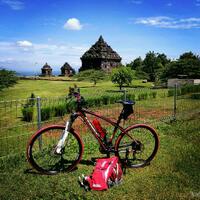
(82, 114)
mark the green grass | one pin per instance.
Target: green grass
(174, 174)
(47, 88)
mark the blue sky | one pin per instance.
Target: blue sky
(33, 32)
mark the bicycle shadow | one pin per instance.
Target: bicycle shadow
(90, 162)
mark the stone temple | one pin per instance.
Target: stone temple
(67, 70)
(100, 56)
(46, 70)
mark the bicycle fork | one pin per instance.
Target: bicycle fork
(61, 142)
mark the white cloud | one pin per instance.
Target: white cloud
(14, 4)
(24, 43)
(168, 22)
(25, 53)
(73, 24)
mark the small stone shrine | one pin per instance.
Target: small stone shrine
(67, 70)
(46, 70)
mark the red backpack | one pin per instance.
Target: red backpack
(107, 173)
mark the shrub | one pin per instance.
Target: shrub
(142, 96)
(153, 94)
(105, 100)
(71, 106)
(170, 92)
(45, 113)
(60, 110)
(31, 100)
(195, 96)
(27, 112)
(27, 109)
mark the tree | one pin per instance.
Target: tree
(154, 64)
(188, 64)
(189, 55)
(149, 65)
(135, 64)
(122, 76)
(91, 75)
(189, 67)
(7, 78)
(163, 59)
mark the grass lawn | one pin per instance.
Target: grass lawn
(47, 88)
(174, 174)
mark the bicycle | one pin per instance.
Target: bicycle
(59, 148)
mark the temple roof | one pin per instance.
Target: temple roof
(66, 66)
(101, 50)
(46, 66)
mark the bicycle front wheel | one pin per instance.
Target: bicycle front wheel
(41, 152)
(137, 146)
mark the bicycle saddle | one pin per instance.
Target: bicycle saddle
(127, 102)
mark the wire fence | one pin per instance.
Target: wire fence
(19, 119)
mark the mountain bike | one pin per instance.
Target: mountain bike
(59, 148)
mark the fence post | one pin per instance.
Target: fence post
(124, 94)
(39, 120)
(175, 99)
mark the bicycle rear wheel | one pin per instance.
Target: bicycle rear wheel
(41, 150)
(137, 146)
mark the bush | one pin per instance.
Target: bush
(142, 96)
(189, 89)
(45, 113)
(27, 112)
(31, 100)
(105, 100)
(195, 96)
(153, 95)
(60, 110)
(171, 92)
(184, 90)
(7, 78)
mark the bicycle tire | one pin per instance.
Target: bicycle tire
(134, 142)
(42, 157)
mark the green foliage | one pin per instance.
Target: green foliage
(122, 76)
(153, 94)
(190, 89)
(46, 113)
(142, 96)
(188, 55)
(188, 64)
(141, 74)
(28, 109)
(91, 75)
(60, 110)
(195, 96)
(184, 90)
(31, 100)
(136, 64)
(153, 65)
(7, 78)
(27, 112)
